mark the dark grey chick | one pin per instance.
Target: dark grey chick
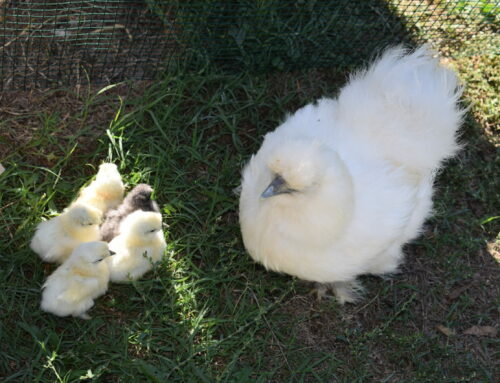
(139, 198)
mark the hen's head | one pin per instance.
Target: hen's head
(296, 196)
(296, 167)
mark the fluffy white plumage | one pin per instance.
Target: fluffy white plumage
(72, 288)
(55, 239)
(337, 189)
(106, 191)
(140, 243)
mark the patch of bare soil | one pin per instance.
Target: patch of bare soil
(40, 125)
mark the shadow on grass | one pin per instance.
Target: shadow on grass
(263, 35)
(260, 36)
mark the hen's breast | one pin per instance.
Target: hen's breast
(336, 234)
(293, 232)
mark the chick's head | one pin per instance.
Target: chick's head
(296, 196)
(108, 170)
(108, 182)
(141, 227)
(110, 189)
(90, 253)
(140, 197)
(82, 215)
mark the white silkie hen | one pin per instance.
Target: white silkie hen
(140, 243)
(106, 191)
(337, 189)
(55, 239)
(72, 288)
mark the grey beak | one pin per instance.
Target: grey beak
(111, 253)
(278, 186)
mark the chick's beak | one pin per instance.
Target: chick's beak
(111, 253)
(278, 186)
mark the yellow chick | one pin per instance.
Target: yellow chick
(140, 243)
(56, 238)
(106, 191)
(72, 288)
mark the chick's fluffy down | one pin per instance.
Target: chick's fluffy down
(139, 245)
(337, 189)
(106, 191)
(55, 239)
(139, 198)
(72, 288)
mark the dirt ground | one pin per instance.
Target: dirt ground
(74, 108)
(44, 44)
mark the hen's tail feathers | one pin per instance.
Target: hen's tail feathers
(405, 106)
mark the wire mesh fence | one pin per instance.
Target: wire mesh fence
(46, 43)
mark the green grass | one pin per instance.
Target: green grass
(207, 312)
